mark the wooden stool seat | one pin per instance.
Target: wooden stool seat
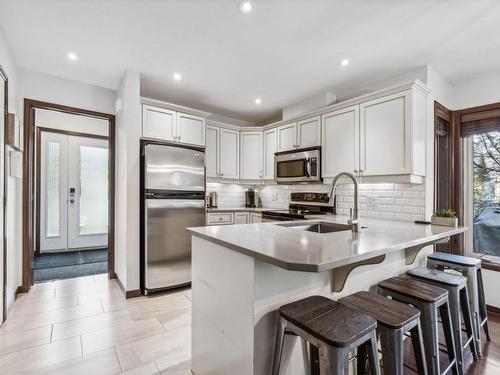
(432, 301)
(329, 321)
(330, 332)
(456, 259)
(394, 321)
(436, 276)
(387, 312)
(417, 289)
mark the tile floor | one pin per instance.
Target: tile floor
(85, 326)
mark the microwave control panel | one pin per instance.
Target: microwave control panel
(314, 166)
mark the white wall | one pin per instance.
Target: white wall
(67, 121)
(477, 91)
(14, 203)
(128, 128)
(47, 88)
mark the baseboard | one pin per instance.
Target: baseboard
(127, 293)
(493, 309)
(133, 293)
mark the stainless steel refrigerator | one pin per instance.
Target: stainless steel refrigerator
(173, 188)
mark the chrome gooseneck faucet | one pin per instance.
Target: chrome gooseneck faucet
(353, 217)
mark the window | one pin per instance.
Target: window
(483, 212)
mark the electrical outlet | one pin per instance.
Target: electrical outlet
(275, 195)
(372, 200)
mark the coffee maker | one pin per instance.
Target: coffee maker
(250, 198)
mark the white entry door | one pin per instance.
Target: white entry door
(74, 192)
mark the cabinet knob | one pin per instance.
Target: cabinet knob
(355, 171)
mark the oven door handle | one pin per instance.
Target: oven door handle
(308, 167)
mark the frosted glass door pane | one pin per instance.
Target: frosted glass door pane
(93, 216)
(53, 182)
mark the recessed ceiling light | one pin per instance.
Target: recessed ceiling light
(72, 56)
(344, 62)
(258, 101)
(246, 7)
(177, 77)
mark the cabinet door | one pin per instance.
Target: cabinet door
(340, 147)
(251, 155)
(309, 132)
(255, 217)
(241, 218)
(270, 147)
(190, 129)
(212, 151)
(158, 123)
(287, 137)
(229, 153)
(385, 135)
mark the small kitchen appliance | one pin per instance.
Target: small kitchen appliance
(298, 166)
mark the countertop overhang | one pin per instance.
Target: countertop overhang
(298, 250)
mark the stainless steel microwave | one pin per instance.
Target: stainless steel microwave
(298, 166)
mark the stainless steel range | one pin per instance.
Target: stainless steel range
(302, 205)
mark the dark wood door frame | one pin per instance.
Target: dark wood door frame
(3, 76)
(38, 159)
(29, 183)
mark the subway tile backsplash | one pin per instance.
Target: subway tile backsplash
(403, 202)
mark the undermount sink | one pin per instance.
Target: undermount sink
(318, 227)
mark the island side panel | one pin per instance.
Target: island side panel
(274, 287)
(222, 310)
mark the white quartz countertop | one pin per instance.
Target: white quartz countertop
(299, 250)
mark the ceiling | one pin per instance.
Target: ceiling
(283, 52)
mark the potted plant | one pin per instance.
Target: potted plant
(447, 218)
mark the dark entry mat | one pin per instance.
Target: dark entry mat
(68, 272)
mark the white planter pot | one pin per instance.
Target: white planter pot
(445, 221)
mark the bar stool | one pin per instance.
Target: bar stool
(333, 328)
(394, 320)
(471, 268)
(456, 285)
(429, 300)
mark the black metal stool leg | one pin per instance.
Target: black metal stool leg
(448, 335)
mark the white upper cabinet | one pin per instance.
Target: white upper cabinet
(190, 129)
(158, 123)
(167, 125)
(309, 132)
(305, 133)
(385, 131)
(251, 155)
(287, 137)
(212, 151)
(229, 154)
(340, 147)
(270, 147)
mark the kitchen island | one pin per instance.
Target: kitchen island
(241, 274)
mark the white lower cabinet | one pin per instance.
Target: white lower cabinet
(255, 217)
(241, 218)
(228, 218)
(220, 218)
(251, 156)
